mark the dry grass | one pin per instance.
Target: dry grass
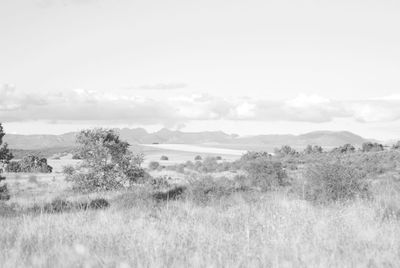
(240, 230)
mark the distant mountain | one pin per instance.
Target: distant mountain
(141, 136)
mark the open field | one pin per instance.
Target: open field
(229, 217)
(249, 229)
(242, 230)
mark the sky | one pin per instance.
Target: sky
(246, 67)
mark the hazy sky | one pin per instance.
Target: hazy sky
(247, 67)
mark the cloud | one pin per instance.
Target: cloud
(160, 86)
(82, 105)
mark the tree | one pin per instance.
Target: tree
(313, 149)
(371, 147)
(347, 148)
(5, 157)
(285, 150)
(107, 162)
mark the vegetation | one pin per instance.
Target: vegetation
(5, 157)
(30, 163)
(308, 208)
(107, 162)
(164, 158)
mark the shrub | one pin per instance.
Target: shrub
(371, 147)
(347, 148)
(33, 163)
(99, 203)
(153, 165)
(69, 170)
(4, 193)
(164, 158)
(170, 194)
(330, 182)
(218, 158)
(13, 166)
(265, 173)
(209, 164)
(207, 188)
(285, 150)
(198, 158)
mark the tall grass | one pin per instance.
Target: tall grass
(242, 230)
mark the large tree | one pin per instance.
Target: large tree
(5, 157)
(107, 162)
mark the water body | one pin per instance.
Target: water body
(197, 149)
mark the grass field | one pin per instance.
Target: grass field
(244, 229)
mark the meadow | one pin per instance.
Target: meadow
(230, 228)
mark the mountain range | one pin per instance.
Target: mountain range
(212, 138)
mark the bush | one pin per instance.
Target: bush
(153, 165)
(265, 173)
(371, 147)
(327, 182)
(171, 194)
(13, 166)
(198, 158)
(207, 188)
(69, 170)
(164, 158)
(33, 163)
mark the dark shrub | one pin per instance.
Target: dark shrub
(161, 182)
(330, 182)
(170, 194)
(164, 158)
(153, 165)
(69, 170)
(371, 147)
(13, 166)
(198, 158)
(99, 203)
(33, 163)
(218, 158)
(347, 148)
(4, 193)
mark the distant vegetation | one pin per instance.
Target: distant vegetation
(30, 163)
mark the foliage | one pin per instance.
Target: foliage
(327, 182)
(285, 150)
(153, 165)
(310, 149)
(5, 157)
(164, 158)
(107, 162)
(371, 147)
(33, 163)
(69, 170)
(266, 173)
(13, 166)
(347, 148)
(198, 158)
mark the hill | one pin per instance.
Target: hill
(217, 138)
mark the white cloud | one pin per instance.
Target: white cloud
(113, 108)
